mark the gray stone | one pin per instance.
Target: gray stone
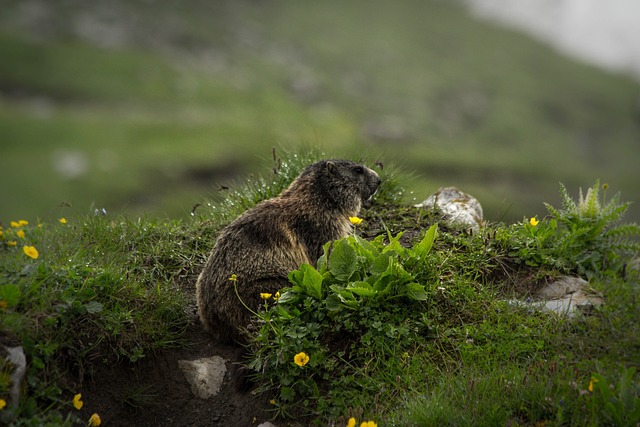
(457, 207)
(205, 375)
(15, 355)
(568, 296)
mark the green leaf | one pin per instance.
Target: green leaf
(416, 291)
(10, 293)
(287, 394)
(424, 246)
(380, 265)
(343, 260)
(394, 243)
(93, 307)
(287, 297)
(311, 281)
(362, 289)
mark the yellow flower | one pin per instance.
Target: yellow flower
(95, 420)
(77, 403)
(1, 233)
(276, 296)
(233, 278)
(351, 422)
(22, 223)
(3, 304)
(12, 243)
(355, 220)
(3, 403)
(591, 383)
(368, 424)
(265, 295)
(301, 359)
(20, 234)
(30, 251)
(533, 221)
(62, 221)
(272, 401)
(15, 224)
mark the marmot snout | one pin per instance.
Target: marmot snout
(275, 237)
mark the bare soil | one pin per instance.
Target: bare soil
(154, 391)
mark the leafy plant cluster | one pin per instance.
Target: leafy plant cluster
(586, 237)
(341, 314)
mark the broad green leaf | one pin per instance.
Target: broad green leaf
(343, 260)
(422, 248)
(287, 296)
(381, 263)
(296, 277)
(312, 281)
(416, 291)
(362, 289)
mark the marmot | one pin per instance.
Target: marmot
(275, 237)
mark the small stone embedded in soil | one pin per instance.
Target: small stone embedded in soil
(205, 375)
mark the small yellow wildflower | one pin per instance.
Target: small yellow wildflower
(30, 251)
(265, 295)
(301, 359)
(12, 243)
(591, 383)
(355, 220)
(77, 403)
(20, 234)
(3, 403)
(62, 220)
(1, 233)
(233, 278)
(22, 223)
(3, 304)
(272, 401)
(276, 297)
(15, 224)
(351, 422)
(368, 424)
(95, 420)
(533, 221)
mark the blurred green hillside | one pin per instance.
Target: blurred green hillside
(153, 106)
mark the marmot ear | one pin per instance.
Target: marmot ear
(331, 167)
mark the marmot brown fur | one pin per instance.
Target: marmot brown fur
(275, 237)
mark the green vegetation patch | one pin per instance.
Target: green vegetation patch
(379, 322)
(407, 321)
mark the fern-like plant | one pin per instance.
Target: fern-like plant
(593, 236)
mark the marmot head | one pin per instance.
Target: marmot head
(339, 184)
(355, 175)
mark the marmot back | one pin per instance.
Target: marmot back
(275, 237)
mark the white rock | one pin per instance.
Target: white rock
(205, 375)
(16, 356)
(457, 208)
(568, 295)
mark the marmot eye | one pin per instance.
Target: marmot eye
(359, 170)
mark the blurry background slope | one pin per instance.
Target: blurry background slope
(151, 106)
